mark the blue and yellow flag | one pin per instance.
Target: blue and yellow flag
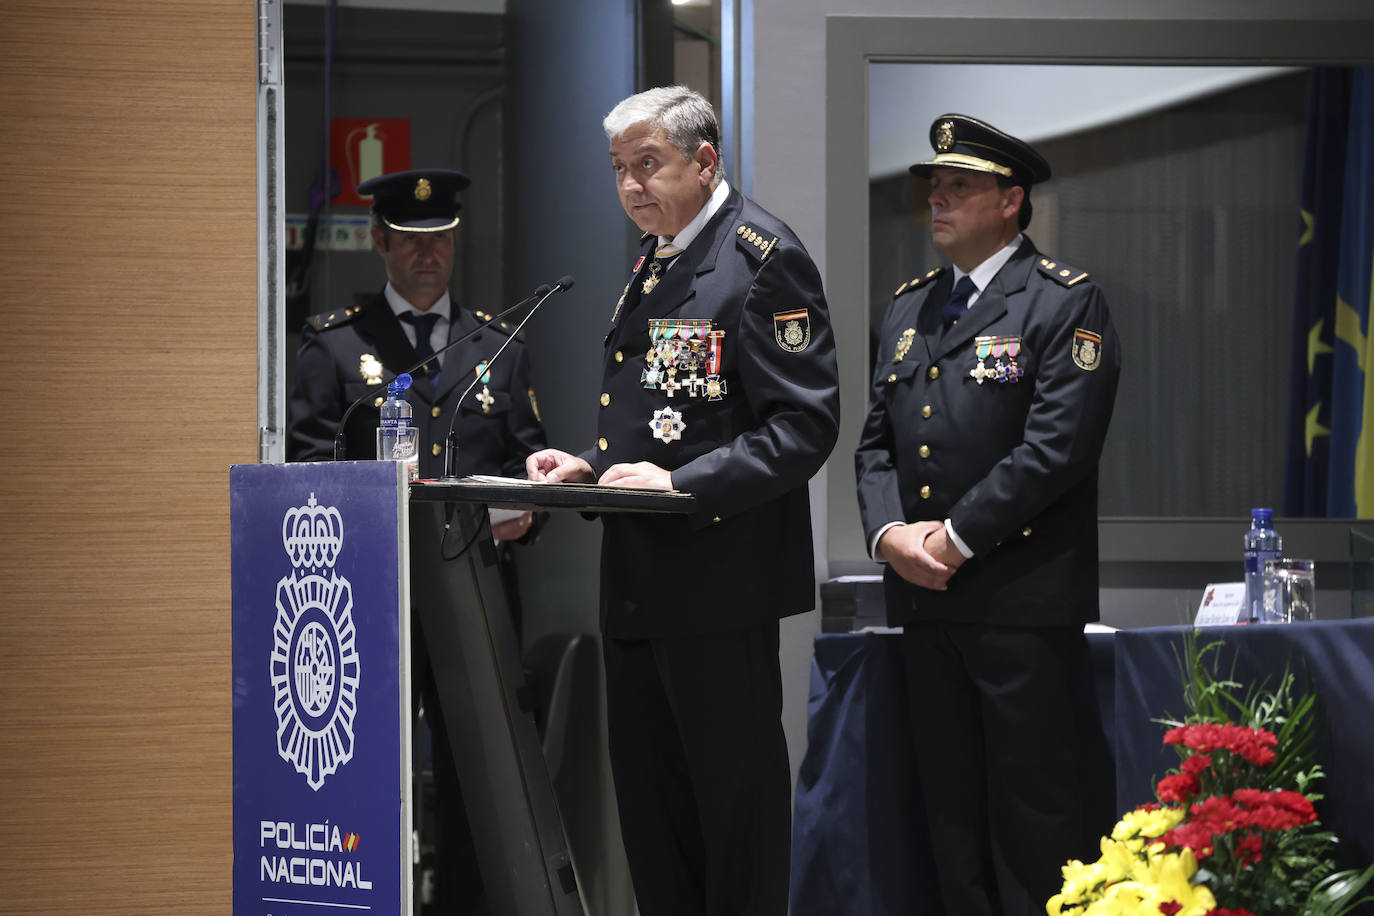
(1351, 488)
(1314, 298)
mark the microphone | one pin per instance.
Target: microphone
(451, 440)
(540, 292)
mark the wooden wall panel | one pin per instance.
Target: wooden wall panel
(128, 357)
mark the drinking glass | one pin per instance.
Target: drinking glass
(1290, 590)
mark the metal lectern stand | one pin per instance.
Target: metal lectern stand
(488, 708)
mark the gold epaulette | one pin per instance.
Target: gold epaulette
(493, 322)
(333, 319)
(918, 282)
(1062, 274)
(752, 241)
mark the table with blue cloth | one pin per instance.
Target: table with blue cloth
(861, 844)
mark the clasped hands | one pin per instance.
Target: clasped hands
(553, 466)
(921, 553)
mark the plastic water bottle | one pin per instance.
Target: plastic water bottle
(396, 409)
(396, 436)
(1262, 543)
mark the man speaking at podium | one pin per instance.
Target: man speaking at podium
(718, 379)
(346, 353)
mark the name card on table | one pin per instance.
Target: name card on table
(1222, 604)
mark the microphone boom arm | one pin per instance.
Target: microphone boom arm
(340, 445)
(451, 440)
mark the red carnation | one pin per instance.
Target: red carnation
(1249, 849)
(1180, 787)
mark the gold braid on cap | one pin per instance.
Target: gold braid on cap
(443, 228)
(960, 160)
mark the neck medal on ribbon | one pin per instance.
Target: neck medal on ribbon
(655, 269)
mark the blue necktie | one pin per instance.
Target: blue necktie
(424, 323)
(954, 309)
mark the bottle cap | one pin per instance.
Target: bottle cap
(1265, 514)
(398, 384)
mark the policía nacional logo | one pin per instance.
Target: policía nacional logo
(792, 330)
(314, 664)
(1087, 349)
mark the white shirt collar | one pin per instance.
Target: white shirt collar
(982, 274)
(693, 229)
(400, 305)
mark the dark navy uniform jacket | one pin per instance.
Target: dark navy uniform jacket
(1012, 464)
(341, 355)
(748, 414)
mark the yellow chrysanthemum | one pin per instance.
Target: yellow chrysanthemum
(1171, 874)
(1150, 824)
(1080, 880)
(1119, 860)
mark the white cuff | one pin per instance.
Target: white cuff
(873, 550)
(956, 541)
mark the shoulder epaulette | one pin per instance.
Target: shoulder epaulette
(496, 324)
(326, 320)
(752, 241)
(918, 282)
(1062, 274)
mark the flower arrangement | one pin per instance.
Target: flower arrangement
(1234, 831)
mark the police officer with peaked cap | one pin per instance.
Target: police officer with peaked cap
(977, 485)
(347, 352)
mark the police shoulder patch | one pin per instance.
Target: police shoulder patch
(326, 320)
(757, 244)
(918, 281)
(1062, 274)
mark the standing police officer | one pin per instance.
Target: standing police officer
(977, 482)
(346, 353)
(719, 379)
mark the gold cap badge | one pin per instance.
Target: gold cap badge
(423, 189)
(944, 137)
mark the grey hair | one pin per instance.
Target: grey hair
(687, 119)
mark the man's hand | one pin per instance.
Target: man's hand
(910, 554)
(641, 474)
(553, 466)
(939, 546)
(513, 529)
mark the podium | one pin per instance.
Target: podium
(329, 562)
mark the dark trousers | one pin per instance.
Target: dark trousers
(701, 775)
(993, 714)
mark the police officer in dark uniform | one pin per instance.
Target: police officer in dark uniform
(977, 484)
(718, 379)
(346, 353)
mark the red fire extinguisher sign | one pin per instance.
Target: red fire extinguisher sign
(363, 148)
